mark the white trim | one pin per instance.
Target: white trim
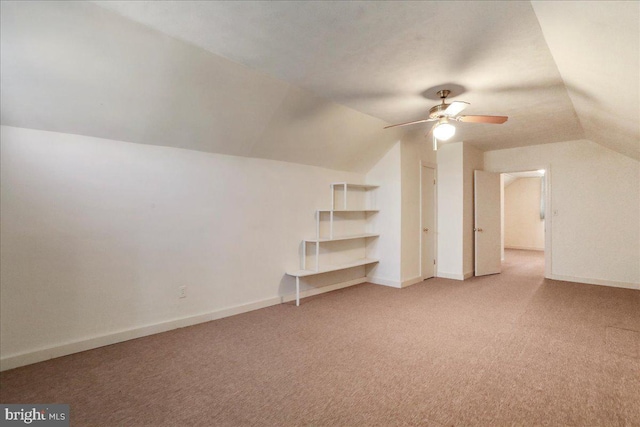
(548, 222)
(453, 276)
(411, 281)
(27, 358)
(523, 248)
(599, 282)
(385, 282)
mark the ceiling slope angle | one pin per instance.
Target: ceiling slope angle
(596, 46)
(379, 58)
(315, 82)
(78, 68)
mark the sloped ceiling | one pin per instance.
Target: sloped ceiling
(314, 82)
(596, 46)
(75, 67)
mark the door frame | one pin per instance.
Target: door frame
(433, 166)
(548, 217)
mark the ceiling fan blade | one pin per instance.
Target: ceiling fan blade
(455, 108)
(497, 120)
(409, 123)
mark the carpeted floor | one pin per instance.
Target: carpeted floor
(508, 349)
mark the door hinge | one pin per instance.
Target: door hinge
(434, 262)
(434, 182)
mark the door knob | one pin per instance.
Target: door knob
(426, 230)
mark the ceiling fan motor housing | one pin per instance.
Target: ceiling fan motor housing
(438, 111)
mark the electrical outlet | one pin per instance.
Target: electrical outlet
(182, 292)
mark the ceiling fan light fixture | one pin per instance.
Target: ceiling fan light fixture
(444, 130)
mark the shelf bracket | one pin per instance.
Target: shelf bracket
(345, 197)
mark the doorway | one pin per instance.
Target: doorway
(524, 221)
(427, 221)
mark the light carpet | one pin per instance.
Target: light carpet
(507, 349)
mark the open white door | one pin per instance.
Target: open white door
(487, 222)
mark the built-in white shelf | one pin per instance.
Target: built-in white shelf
(345, 187)
(335, 239)
(355, 204)
(336, 267)
(359, 186)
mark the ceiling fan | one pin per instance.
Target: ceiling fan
(443, 113)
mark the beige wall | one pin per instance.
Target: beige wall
(523, 227)
(450, 211)
(387, 174)
(595, 204)
(456, 163)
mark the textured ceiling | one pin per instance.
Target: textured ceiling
(560, 71)
(380, 57)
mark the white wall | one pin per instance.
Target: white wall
(450, 210)
(456, 163)
(595, 200)
(97, 236)
(473, 160)
(415, 150)
(387, 222)
(398, 222)
(523, 227)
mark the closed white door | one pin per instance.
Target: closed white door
(428, 232)
(487, 229)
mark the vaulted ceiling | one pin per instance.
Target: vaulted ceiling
(315, 82)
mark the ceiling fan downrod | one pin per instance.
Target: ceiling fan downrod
(443, 94)
(437, 111)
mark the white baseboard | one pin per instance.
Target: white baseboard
(411, 281)
(384, 282)
(41, 355)
(599, 282)
(453, 276)
(394, 283)
(524, 248)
